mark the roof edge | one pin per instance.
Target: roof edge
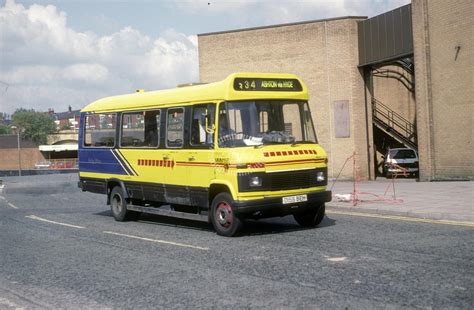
(283, 25)
(186, 95)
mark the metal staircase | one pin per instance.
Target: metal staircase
(393, 124)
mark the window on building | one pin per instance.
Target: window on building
(99, 130)
(175, 128)
(140, 129)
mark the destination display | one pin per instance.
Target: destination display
(261, 84)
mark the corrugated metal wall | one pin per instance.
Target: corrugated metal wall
(386, 37)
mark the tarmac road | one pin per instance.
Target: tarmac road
(60, 248)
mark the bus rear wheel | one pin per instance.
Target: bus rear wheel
(311, 218)
(225, 221)
(118, 206)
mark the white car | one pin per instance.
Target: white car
(401, 161)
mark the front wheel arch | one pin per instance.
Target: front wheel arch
(223, 186)
(215, 189)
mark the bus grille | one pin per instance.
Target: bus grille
(291, 180)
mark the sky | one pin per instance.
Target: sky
(56, 54)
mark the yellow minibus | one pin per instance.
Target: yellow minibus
(242, 148)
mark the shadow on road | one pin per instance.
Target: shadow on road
(250, 228)
(165, 221)
(278, 226)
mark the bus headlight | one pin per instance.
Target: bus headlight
(255, 181)
(320, 177)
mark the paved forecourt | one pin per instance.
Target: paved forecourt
(440, 201)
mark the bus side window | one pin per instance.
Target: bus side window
(152, 128)
(175, 128)
(99, 130)
(132, 129)
(202, 125)
(140, 129)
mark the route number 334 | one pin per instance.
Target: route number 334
(247, 84)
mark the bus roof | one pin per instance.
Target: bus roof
(237, 86)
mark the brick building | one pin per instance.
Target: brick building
(443, 37)
(60, 151)
(14, 157)
(322, 53)
(415, 62)
(66, 120)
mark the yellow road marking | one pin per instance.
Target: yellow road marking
(37, 218)
(404, 218)
(157, 241)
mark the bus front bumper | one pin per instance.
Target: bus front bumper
(274, 206)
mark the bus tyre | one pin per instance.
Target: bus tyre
(223, 218)
(311, 218)
(118, 205)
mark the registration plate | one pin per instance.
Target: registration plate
(295, 199)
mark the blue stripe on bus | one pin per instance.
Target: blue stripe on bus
(125, 159)
(117, 157)
(99, 160)
(121, 161)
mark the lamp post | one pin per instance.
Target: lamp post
(17, 130)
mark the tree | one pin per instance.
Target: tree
(4, 129)
(34, 125)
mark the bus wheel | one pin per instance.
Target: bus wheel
(225, 222)
(311, 218)
(118, 205)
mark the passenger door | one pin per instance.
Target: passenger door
(175, 157)
(201, 159)
(190, 156)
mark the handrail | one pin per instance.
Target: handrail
(394, 121)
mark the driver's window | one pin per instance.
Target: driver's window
(292, 120)
(202, 125)
(235, 120)
(175, 128)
